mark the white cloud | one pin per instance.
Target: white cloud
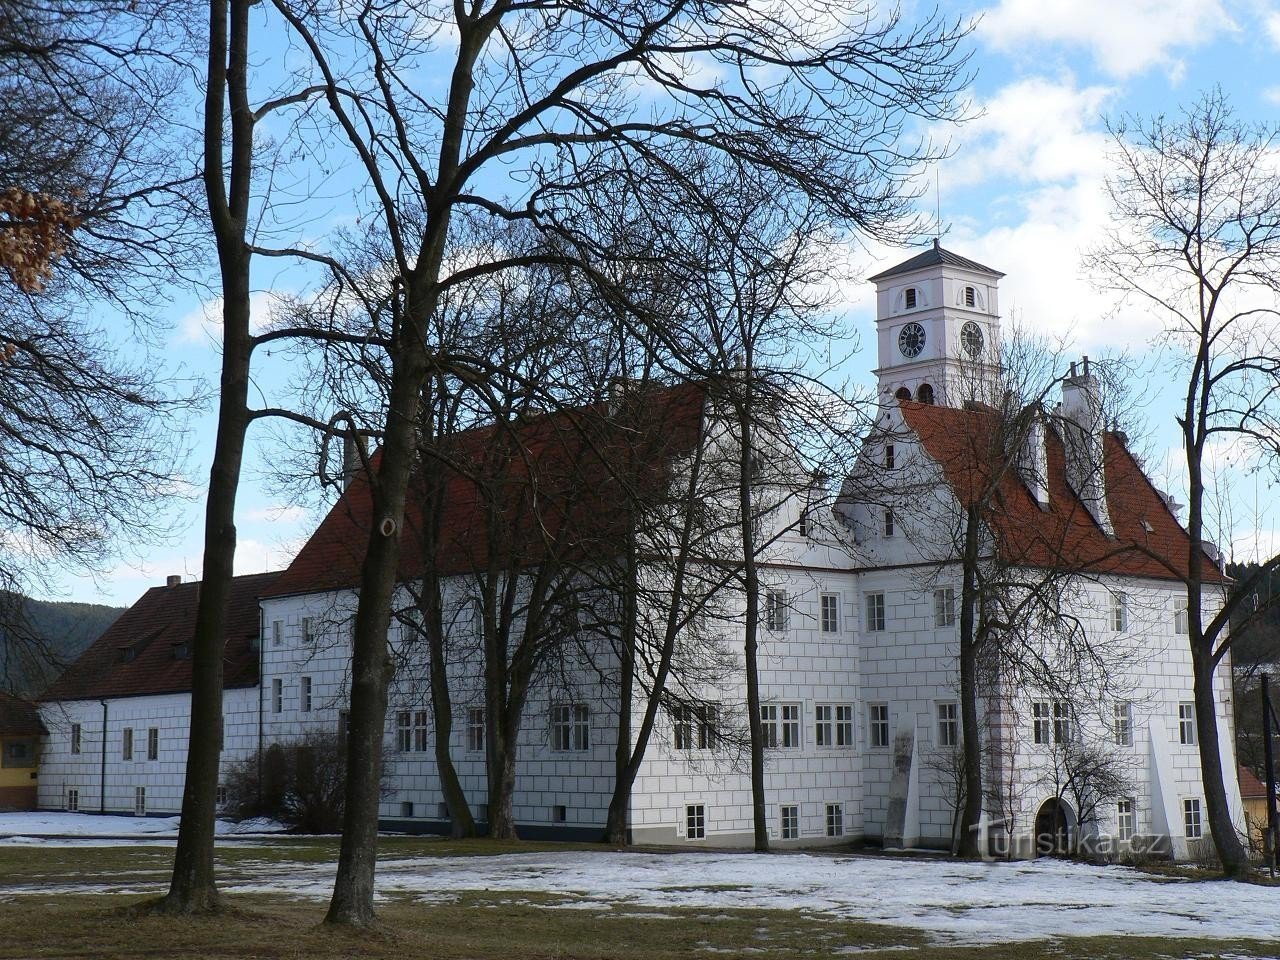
(1123, 38)
(1033, 130)
(1271, 23)
(203, 324)
(1272, 95)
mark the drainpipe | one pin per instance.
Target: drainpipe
(102, 777)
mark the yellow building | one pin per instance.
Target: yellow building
(1254, 794)
(20, 733)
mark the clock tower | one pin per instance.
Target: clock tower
(938, 329)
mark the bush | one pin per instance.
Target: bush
(302, 784)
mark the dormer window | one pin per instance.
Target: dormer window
(910, 298)
(970, 297)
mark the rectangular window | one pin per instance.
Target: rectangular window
(277, 695)
(824, 725)
(277, 632)
(570, 727)
(769, 725)
(708, 715)
(153, 743)
(835, 819)
(1187, 724)
(833, 726)
(406, 808)
(1061, 721)
(475, 729)
(1123, 724)
(308, 629)
(75, 738)
(944, 607)
(220, 797)
(775, 610)
(1125, 824)
(804, 526)
(875, 612)
(1191, 818)
(1119, 611)
(879, 724)
(830, 612)
(19, 754)
(559, 814)
(791, 726)
(889, 456)
(790, 821)
(404, 731)
(1041, 730)
(420, 731)
(306, 694)
(73, 799)
(682, 726)
(695, 821)
(1180, 616)
(948, 724)
(139, 801)
(126, 745)
(888, 522)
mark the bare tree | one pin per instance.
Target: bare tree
(1196, 240)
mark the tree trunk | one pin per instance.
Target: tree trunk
(371, 664)
(193, 888)
(1234, 857)
(970, 826)
(461, 824)
(502, 782)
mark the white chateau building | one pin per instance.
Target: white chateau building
(859, 640)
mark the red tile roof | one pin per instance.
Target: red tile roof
(1149, 541)
(1250, 786)
(550, 482)
(19, 718)
(140, 654)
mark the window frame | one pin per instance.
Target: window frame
(769, 726)
(835, 819)
(889, 526)
(570, 728)
(1188, 729)
(71, 800)
(1119, 611)
(77, 738)
(791, 726)
(878, 727)
(1192, 818)
(404, 731)
(475, 730)
(695, 821)
(910, 298)
(421, 726)
(947, 715)
(775, 609)
(1122, 723)
(305, 695)
(153, 743)
(277, 695)
(1041, 723)
(944, 607)
(126, 743)
(828, 612)
(1126, 819)
(789, 821)
(875, 610)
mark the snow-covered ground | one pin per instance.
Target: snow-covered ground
(16, 827)
(965, 902)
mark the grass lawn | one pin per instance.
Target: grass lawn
(42, 915)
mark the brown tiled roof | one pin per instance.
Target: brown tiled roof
(1149, 541)
(1250, 785)
(19, 718)
(141, 653)
(553, 477)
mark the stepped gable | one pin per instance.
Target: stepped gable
(545, 483)
(147, 650)
(1149, 541)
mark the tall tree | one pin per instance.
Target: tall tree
(537, 97)
(1196, 240)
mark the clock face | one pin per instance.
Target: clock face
(911, 340)
(971, 338)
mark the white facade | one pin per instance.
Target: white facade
(858, 674)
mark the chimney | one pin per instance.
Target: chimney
(1080, 423)
(353, 454)
(173, 580)
(1033, 463)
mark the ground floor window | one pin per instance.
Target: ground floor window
(139, 801)
(835, 820)
(695, 821)
(73, 799)
(1191, 818)
(790, 821)
(1125, 826)
(475, 730)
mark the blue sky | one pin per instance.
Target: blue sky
(1021, 193)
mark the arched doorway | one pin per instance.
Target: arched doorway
(1054, 825)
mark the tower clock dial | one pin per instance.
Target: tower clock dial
(971, 338)
(911, 340)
